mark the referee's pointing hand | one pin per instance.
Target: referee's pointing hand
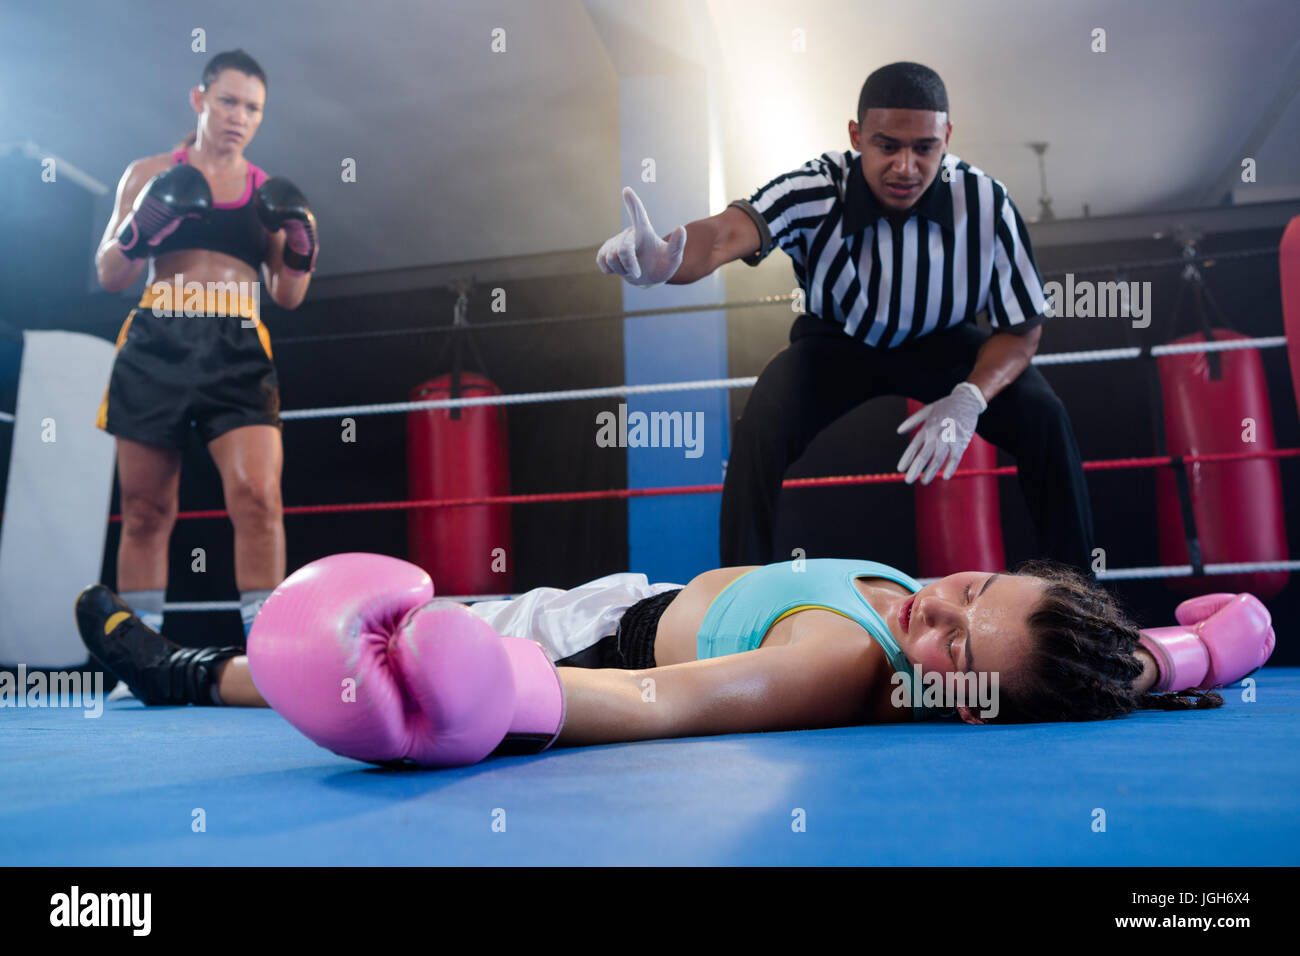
(637, 253)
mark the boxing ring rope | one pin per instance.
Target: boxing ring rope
(1205, 260)
(607, 494)
(1119, 574)
(611, 391)
(826, 481)
(1185, 570)
(747, 381)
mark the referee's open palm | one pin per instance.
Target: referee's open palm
(637, 253)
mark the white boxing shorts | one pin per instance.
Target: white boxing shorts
(566, 622)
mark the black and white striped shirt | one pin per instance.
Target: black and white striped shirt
(962, 249)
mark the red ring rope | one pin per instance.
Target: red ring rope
(833, 480)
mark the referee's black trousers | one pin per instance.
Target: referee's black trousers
(825, 373)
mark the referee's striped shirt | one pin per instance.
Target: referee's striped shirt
(962, 249)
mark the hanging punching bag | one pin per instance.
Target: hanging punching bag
(958, 521)
(460, 453)
(1219, 403)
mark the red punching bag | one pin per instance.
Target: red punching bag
(1237, 504)
(1288, 260)
(958, 521)
(460, 453)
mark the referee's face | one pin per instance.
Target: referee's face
(901, 152)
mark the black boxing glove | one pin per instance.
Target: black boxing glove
(281, 206)
(174, 195)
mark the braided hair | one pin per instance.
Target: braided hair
(1084, 657)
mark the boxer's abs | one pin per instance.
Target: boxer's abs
(201, 266)
(675, 639)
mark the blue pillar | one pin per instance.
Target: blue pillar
(665, 156)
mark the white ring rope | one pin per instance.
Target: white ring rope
(571, 394)
(524, 398)
(1185, 570)
(1119, 574)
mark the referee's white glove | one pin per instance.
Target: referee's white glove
(637, 253)
(947, 427)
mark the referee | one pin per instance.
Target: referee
(897, 246)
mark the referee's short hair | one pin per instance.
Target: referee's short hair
(903, 86)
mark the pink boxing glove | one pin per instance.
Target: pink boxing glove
(1221, 639)
(353, 652)
(1197, 609)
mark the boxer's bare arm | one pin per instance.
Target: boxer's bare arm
(805, 685)
(714, 242)
(603, 706)
(115, 271)
(235, 684)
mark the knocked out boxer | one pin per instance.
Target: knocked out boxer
(356, 652)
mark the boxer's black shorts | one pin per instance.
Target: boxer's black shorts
(173, 372)
(633, 646)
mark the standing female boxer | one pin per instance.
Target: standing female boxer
(203, 214)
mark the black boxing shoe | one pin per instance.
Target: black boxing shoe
(157, 671)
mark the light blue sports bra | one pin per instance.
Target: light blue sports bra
(747, 608)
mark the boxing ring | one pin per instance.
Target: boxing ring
(229, 786)
(1203, 788)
